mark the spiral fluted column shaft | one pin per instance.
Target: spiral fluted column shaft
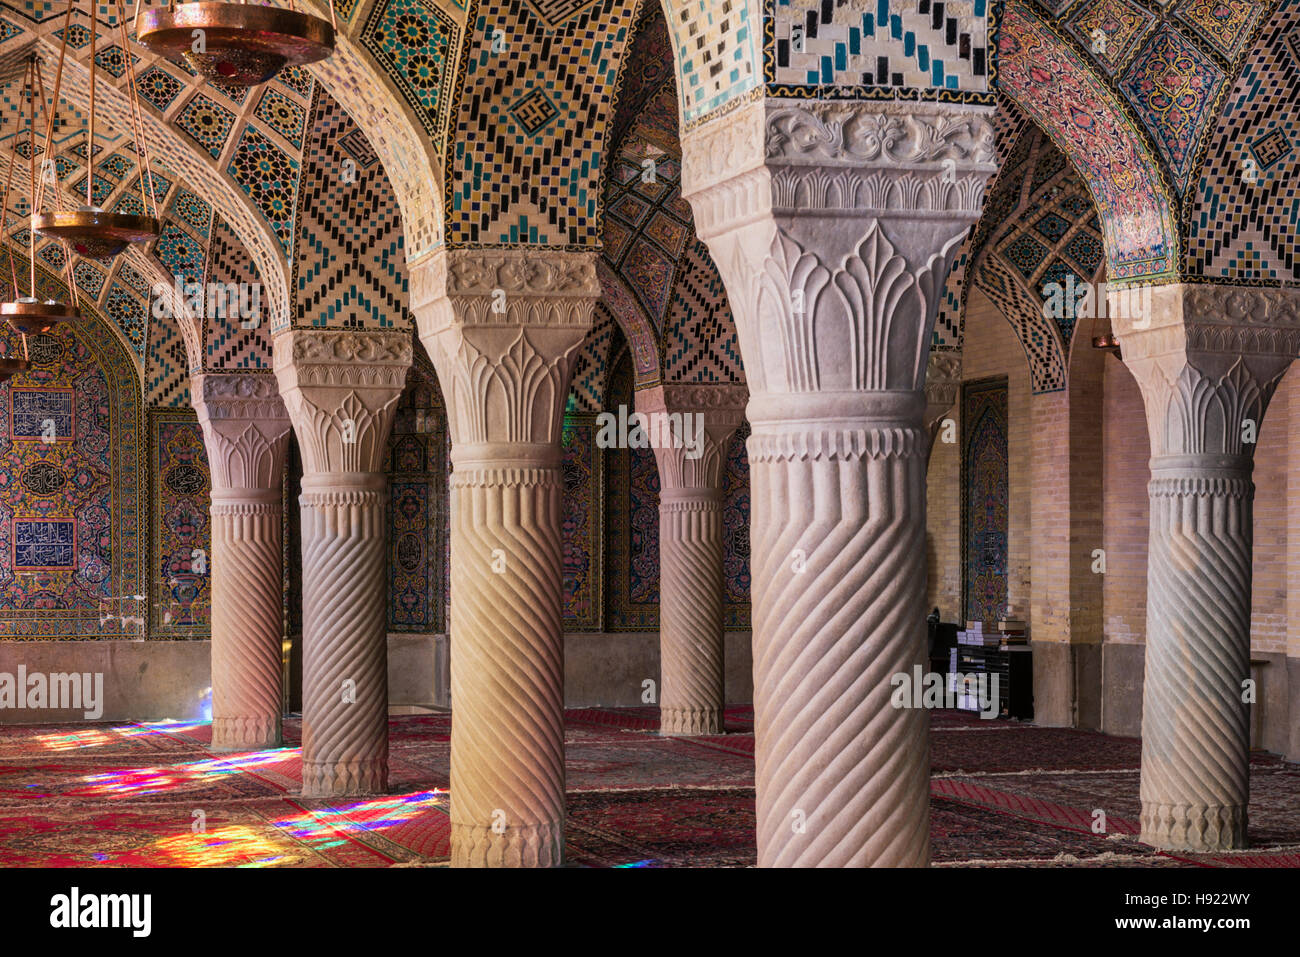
(690, 611)
(838, 527)
(247, 617)
(1195, 723)
(507, 680)
(345, 670)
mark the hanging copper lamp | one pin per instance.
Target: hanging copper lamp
(239, 44)
(88, 230)
(29, 315)
(32, 316)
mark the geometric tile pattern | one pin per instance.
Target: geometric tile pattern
(167, 372)
(416, 42)
(128, 313)
(270, 178)
(227, 344)
(591, 367)
(350, 267)
(158, 87)
(1095, 131)
(180, 253)
(1244, 211)
(881, 46)
(282, 115)
(700, 334)
(717, 51)
(985, 498)
(519, 174)
(208, 123)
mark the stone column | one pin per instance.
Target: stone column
(834, 226)
(692, 469)
(245, 431)
(341, 388)
(503, 327)
(1207, 359)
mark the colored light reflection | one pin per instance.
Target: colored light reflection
(233, 845)
(328, 827)
(638, 864)
(136, 781)
(98, 737)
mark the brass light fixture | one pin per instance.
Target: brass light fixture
(90, 231)
(27, 314)
(238, 44)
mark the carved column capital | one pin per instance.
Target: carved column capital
(245, 427)
(691, 426)
(1207, 359)
(341, 386)
(846, 213)
(503, 327)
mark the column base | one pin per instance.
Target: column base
(325, 779)
(535, 845)
(688, 721)
(1181, 827)
(246, 734)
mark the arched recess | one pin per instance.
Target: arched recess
(72, 511)
(1051, 82)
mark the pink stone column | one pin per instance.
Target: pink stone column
(341, 388)
(1208, 359)
(503, 328)
(834, 226)
(245, 430)
(692, 469)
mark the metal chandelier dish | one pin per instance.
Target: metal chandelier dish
(88, 230)
(29, 315)
(238, 44)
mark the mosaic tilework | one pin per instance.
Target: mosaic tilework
(90, 278)
(270, 178)
(193, 211)
(511, 186)
(1176, 90)
(113, 60)
(207, 123)
(9, 30)
(985, 498)
(418, 518)
(180, 253)
(96, 482)
(700, 335)
(1111, 30)
(717, 52)
(158, 87)
(297, 79)
(1040, 338)
(181, 595)
(1135, 203)
(647, 67)
(116, 167)
(350, 270)
(227, 344)
(100, 189)
(282, 115)
(591, 367)
(128, 313)
(166, 373)
(1244, 210)
(879, 47)
(581, 524)
(1227, 25)
(416, 43)
(736, 579)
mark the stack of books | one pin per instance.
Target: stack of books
(1013, 632)
(976, 635)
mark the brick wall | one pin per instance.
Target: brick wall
(1126, 454)
(1269, 594)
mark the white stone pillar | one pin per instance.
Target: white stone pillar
(503, 327)
(692, 469)
(341, 388)
(834, 226)
(245, 431)
(1207, 359)
(942, 386)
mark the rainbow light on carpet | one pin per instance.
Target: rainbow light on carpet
(156, 779)
(322, 827)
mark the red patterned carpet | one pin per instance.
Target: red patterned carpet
(1004, 794)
